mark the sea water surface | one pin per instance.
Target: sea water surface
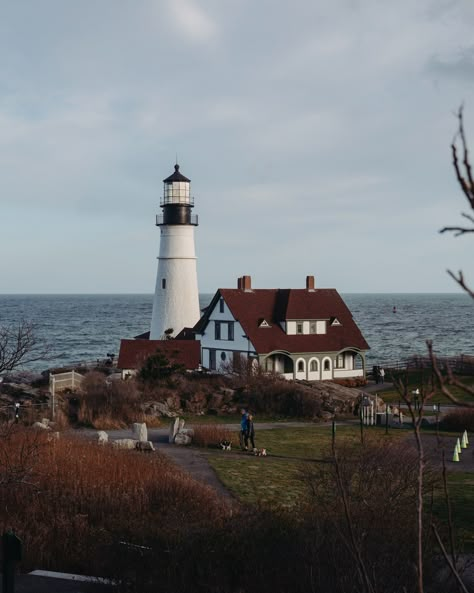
(87, 327)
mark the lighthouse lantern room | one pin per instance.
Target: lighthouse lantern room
(176, 301)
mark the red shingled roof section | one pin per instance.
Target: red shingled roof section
(276, 305)
(133, 353)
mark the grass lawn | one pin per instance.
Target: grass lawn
(461, 492)
(416, 379)
(278, 480)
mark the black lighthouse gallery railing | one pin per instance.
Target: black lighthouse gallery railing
(191, 219)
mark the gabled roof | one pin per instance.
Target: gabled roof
(133, 353)
(277, 305)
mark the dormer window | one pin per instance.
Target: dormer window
(312, 327)
(263, 323)
(335, 321)
(299, 328)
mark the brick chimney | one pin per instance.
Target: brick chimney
(310, 283)
(246, 283)
(239, 283)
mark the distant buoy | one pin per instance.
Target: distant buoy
(394, 309)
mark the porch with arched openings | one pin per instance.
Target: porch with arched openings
(349, 362)
(279, 361)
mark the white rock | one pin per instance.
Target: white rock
(182, 439)
(102, 437)
(145, 446)
(181, 425)
(125, 444)
(41, 426)
(173, 429)
(45, 421)
(139, 431)
(188, 431)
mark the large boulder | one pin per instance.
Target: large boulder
(335, 398)
(102, 437)
(125, 444)
(159, 409)
(145, 446)
(139, 431)
(182, 439)
(41, 426)
(174, 427)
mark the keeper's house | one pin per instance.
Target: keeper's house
(299, 333)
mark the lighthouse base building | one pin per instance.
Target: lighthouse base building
(305, 334)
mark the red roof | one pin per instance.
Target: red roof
(133, 353)
(249, 308)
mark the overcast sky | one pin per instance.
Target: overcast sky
(316, 135)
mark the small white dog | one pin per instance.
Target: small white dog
(260, 452)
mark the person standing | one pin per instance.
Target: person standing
(250, 434)
(376, 373)
(243, 429)
(382, 375)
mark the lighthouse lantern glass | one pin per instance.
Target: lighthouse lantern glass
(177, 192)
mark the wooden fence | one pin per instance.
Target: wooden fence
(460, 365)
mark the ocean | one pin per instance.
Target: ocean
(84, 328)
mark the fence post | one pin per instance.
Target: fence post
(53, 394)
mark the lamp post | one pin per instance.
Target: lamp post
(416, 393)
(436, 411)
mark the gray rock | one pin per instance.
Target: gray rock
(125, 444)
(181, 425)
(145, 446)
(163, 410)
(139, 431)
(102, 437)
(188, 431)
(182, 439)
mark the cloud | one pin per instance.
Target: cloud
(191, 21)
(458, 67)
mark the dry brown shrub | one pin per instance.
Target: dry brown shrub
(367, 496)
(81, 499)
(276, 396)
(211, 435)
(107, 404)
(458, 420)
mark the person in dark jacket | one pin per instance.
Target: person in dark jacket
(243, 430)
(250, 434)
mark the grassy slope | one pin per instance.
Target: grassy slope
(417, 379)
(278, 480)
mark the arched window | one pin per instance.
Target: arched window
(300, 366)
(327, 365)
(313, 367)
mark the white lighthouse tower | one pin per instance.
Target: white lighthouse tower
(176, 302)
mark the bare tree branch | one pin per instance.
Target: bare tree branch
(460, 280)
(448, 560)
(19, 344)
(451, 380)
(467, 185)
(466, 182)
